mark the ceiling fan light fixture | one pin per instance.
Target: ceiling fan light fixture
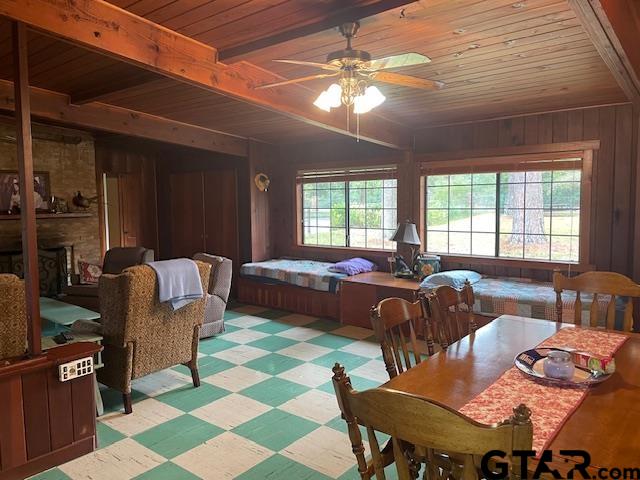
(371, 99)
(329, 98)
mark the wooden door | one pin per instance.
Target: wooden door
(130, 198)
(221, 214)
(186, 214)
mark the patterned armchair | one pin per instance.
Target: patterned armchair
(13, 319)
(141, 335)
(218, 293)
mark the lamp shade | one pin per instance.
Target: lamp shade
(406, 233)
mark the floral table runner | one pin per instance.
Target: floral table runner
(551, 406)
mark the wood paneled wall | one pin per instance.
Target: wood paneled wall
(614, 167)
(613, 195)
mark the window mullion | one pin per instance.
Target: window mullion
(497, 241)
(347, 217)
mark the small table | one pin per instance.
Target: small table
(62, 313)
(360, 292)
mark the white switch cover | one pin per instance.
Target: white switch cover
(75, 369)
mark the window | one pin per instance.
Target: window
(533, 215)
(349, 209)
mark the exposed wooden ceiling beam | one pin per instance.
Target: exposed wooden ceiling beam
(593, 18)
(101, 91)
(321, 16)
(112, 31)
(55, 107)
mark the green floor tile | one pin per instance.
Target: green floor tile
(112, 399)
(188, 398)
(331, 341)
(272, 314)
(276, 429)
(272, 343)
(107, 435)
(228, 329)
(273, 364)
(207, 366)
(177, 436)
(167, 471)
(53, 474)
(214, 345)
(348, 360)
(278, 467)
(274, 391)
(271, 327)
(230, 314)
(324, 324)
(390, 473)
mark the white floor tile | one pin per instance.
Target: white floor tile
(244, 336)
(364, 349)
(236, 378)
(246, 321)
(146, 414)
(297, 319)
(308, 374)
(314, 405)
(226, 456)
(373, 370)
(122, 460)
(357, 333)
(240, 354)
(300, 333)
(160, 382)
(325, 450)
(231, 411)
(305, 351)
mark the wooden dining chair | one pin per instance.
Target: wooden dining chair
(452, 442)
(394, 322)
(598, 284)
(452, 313)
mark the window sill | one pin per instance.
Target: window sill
(516, 262)
(346, 249)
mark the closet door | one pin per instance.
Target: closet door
(130, 198)
(187, 214)
(221, 214)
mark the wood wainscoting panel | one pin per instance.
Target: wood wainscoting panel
(45, 422)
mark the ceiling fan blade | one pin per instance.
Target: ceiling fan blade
(297, 80)
(324, 66)
(407, 80)
(396, 61)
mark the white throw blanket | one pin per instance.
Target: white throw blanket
(178, 281)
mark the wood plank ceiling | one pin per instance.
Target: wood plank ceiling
(497, 58)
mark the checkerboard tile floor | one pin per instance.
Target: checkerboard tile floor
(265, 409)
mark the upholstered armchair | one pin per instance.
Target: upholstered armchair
(13, 317)
(141, 335)
(115, 261)
(218, 293)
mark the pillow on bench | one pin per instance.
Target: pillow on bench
(452, 278)
(353, 266)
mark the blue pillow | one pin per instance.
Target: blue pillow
(353, 266)
(453, 278)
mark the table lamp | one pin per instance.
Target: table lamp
(407, 234)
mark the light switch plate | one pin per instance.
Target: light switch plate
(77, 368)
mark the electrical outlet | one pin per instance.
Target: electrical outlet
(77, 368)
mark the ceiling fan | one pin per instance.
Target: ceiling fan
(354, 70)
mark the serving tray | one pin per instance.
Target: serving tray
(531, 363)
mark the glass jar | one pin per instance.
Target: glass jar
(558, 364)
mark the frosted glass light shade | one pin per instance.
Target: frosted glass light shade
(372, 98)
(322, 102)
(330, 98)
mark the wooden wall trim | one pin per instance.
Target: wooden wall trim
(56, 107)
(480, 154)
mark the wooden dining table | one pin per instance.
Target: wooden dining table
(606, 424)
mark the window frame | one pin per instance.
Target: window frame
(561, 156)
(382, 172)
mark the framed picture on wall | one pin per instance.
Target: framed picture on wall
(10, 191)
